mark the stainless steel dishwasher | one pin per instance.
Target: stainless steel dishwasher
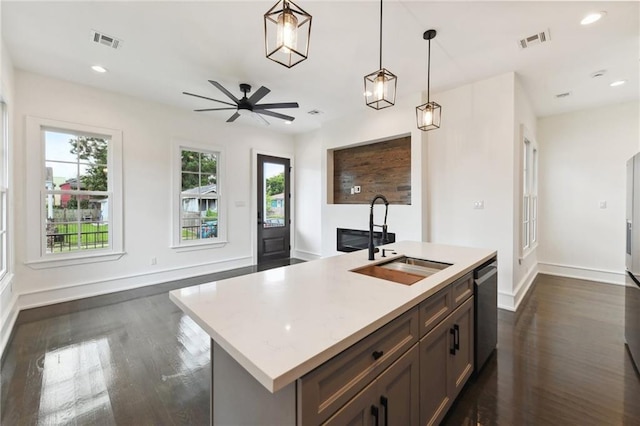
(486, 312)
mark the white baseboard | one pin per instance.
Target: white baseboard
(305, 255)
(582, 273)
(511, 301)
(37, 298)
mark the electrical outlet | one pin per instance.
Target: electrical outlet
(603, 204)
(478, 205)
(154, 261)
(353, 191)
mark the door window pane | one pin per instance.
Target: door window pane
(275, 198)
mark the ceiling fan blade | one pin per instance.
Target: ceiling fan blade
(275, 114)
(259, 94)
(260, 118)
(278, 105)
(225, 91)
(233, 117)
(210, 99)
(214, 109)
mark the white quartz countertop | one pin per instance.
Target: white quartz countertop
(282, 323)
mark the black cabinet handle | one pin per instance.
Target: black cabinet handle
(452, 349)
(385, 403)
(374, 413)
(456, 340)
(377, 354)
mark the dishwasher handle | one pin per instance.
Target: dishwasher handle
(486, 273)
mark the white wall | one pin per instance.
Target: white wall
(308, 179)
(582, 162)
(148, 132)
(8, 297)
(471, 158)
(365, 127)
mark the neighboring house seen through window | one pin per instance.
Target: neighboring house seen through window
(78, 192)
(199, 195)
(76, 201)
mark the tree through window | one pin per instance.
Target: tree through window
(76, 195)
(199, 195)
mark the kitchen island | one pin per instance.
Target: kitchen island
(274, 333)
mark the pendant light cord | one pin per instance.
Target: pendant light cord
(428, 69)
(380, 34)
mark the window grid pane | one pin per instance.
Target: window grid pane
(199, 195)
(76, 196)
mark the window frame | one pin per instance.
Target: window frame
(197, 244)
(37, 256)
(529, 199)
(4, 189)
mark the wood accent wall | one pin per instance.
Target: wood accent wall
(378, 168)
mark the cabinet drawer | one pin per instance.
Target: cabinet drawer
(435, 309)
(324, 390)
(462, 289)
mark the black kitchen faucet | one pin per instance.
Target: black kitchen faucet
(383, 226)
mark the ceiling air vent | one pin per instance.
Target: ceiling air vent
(532, 40)
(106, 40)
(563, 95)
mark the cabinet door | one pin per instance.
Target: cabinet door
(361, 410)
(435, 383)
(399, 391)
(462, 322)
(392, 399)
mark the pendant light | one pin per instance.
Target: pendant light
(380, 86)
(287, 29)
(428, 114)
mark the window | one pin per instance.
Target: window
(529, 194)
(199, 196)
(4, 143)
(78, 192)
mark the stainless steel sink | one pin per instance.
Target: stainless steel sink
(416, 266)
(403, 270)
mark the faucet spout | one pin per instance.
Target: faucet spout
(371, 224)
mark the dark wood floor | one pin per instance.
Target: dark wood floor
(561, 360)
(135, 359)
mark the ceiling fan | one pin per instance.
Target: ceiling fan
(247, 105)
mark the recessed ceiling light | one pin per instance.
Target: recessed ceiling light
(592, 17)
(98, 68)
(599, 73)
(618, 83)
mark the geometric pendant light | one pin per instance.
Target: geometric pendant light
(428, 114)
(380, 85)
(287, 29)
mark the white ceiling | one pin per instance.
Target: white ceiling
(171, 47)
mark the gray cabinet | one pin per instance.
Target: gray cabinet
(391, 377)
(327, 388)
(391, 399)
(446, 363)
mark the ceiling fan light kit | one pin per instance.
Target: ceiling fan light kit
(428, 115)
(380, 86)
(287, 29)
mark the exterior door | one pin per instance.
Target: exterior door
(274, 196)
